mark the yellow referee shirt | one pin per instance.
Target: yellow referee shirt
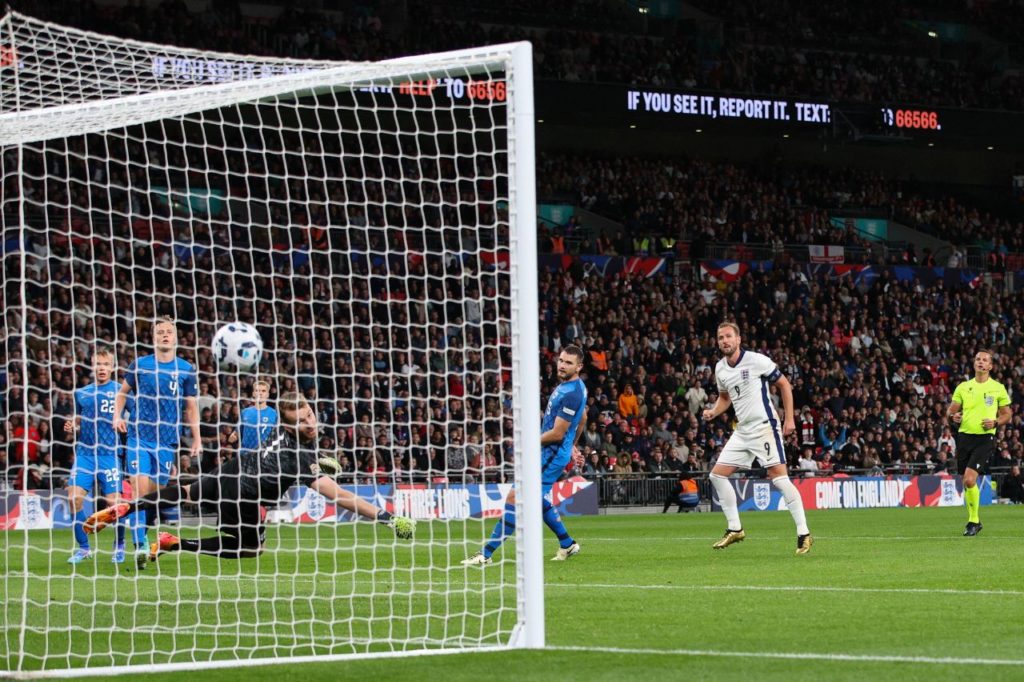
(979, 401)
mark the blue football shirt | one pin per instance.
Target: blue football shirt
(95, 405)
(568, 401)
(160, 389)
(257, 425)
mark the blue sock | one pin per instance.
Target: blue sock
(554, 522)
(137, 520)
(80, 537)
(505, 528)
(119, 529)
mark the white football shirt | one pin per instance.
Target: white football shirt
(747, 385)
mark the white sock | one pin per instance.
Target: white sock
(793, 502)
(727, 498)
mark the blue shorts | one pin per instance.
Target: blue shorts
(96, 463)
(552, 467)
(151, 460)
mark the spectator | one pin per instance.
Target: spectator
(1013, 486)
(684, 493)
(806, 463)
(696, 397)
(628, 405)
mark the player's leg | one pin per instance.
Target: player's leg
(780, 479)
(77, 491)
(774, 457)
(143, 469)
(971, 463)
(242, 534)
(80, 485)
(972, 498)
(167, 461)
(503, 529)
(567, 547)
(109, 481)
(169, 496)
(549, 475)
(734, 455)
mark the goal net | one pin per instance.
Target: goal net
(374, 222)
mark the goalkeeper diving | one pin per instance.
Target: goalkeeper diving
(238, 487)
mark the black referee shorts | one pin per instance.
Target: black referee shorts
(235, 516)
(974, 451)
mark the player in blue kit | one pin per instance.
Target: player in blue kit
(258, 420)
(164, 390)
(95, 451)
(564, 421)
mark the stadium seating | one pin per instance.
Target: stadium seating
(892, 359)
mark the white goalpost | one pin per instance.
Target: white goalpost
(376, 223)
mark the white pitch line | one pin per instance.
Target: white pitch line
(423, 588)
(792, 588)
(872, 538)
(812, 656)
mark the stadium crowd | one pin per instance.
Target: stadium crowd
(830, 52)
(400, 334)
(712, 201)
(872, 368)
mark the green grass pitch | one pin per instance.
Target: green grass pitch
(887, 594)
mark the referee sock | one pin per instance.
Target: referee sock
(727, 500)
(505, 527)
(793, 502)
(972, 498)
(554, 522)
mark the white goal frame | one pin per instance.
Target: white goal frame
(27, 124)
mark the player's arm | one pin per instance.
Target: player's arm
(72, 425)
(192, 414)
(556, 434)
(120, 425)
(1002, 418)
(577, 456)
(570, 406)
(326, 486)
(580, 429)
(786, 391)
(723, 403)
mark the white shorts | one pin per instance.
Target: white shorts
(743, 448)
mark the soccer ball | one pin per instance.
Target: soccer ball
(238, 346)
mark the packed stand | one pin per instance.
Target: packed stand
(404, 350)
(764, 50)
(872, 369)
(704, 202)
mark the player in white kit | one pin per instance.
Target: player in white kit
(743, 377)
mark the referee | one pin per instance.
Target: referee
(979, 406)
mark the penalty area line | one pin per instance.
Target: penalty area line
(809, 656)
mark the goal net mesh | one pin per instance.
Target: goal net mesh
(358, 214)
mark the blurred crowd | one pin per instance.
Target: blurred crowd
(872, 369)
(701, 201)
(827, 50)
